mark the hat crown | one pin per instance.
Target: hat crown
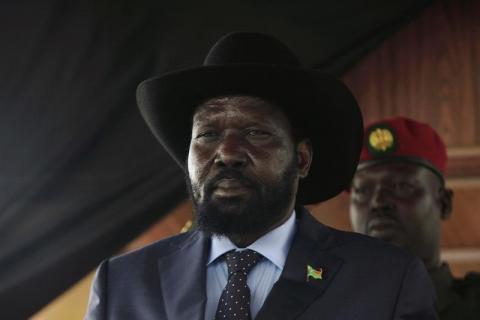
(250, 48)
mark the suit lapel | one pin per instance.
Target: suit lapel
(294, 292)
(182, 277)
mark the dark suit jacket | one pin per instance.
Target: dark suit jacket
(363, 278)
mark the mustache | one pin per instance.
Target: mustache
(383, 214)
(228, 173)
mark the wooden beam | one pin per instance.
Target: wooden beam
(463, 162)
(461, 254)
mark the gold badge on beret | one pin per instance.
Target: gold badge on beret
(381, 139)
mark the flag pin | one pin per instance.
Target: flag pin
(314, 273)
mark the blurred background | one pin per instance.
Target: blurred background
(82, 178)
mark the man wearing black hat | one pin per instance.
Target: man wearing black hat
(244, 127)
(398, 195)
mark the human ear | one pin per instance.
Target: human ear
(446, 199)
(304, 157)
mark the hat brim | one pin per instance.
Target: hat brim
(322, 106)
(365, 164)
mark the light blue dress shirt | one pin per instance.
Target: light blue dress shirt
(274, 246)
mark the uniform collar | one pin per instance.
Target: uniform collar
(443, 280)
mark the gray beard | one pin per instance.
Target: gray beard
(228, 217)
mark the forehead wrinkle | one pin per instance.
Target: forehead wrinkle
(230, 106)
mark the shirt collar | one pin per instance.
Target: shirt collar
(273, 245)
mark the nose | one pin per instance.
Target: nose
(381, 202)
(231, 152)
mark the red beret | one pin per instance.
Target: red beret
(403, 139)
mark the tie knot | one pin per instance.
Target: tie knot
(242, 261)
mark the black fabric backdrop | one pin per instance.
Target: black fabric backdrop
(80, 174)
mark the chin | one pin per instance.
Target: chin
(237, 215)
(396, 241)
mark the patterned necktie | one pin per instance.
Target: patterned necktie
(235, 299)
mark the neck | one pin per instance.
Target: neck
(433, 262)
(431, 256)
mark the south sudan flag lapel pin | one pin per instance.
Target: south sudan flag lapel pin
(313, 273)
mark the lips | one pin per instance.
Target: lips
(230, 187)
(382, 223)
(383, 227)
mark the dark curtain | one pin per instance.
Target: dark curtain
(80, 174)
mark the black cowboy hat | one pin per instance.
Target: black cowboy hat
(242, 63)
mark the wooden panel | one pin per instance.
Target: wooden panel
(70, 305)
(463, 163)
(462, 228)
(462, 261)
(170, 225)
(429, 71)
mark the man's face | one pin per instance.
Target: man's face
(242, 165)
(399, 203)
